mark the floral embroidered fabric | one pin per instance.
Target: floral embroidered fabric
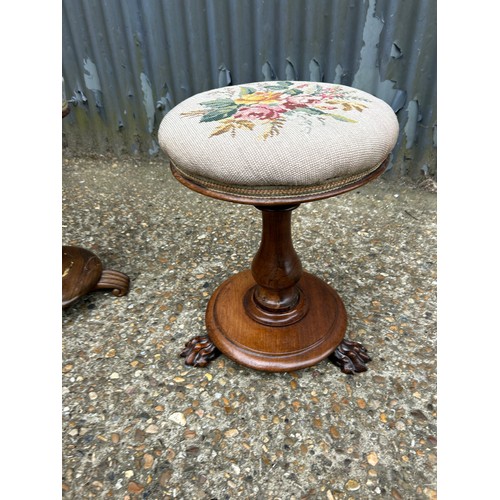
(278, 133)
(272, 104)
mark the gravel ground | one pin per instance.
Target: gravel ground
(139, 424)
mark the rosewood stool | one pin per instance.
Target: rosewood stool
(275, 145)
(82, 273)
(82, 270)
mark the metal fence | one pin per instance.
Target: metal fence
(127, 62)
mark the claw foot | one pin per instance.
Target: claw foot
(350, 357)
(199, 351)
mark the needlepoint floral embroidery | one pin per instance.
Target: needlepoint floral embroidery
(268, 106)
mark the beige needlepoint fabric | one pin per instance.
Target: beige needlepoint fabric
(278, 133)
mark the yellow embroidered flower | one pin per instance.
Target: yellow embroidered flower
(259, 97)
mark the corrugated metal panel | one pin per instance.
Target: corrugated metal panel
(127, 62)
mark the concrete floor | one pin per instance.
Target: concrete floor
(139, 424)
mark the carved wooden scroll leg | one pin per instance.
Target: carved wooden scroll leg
(199, 351)
(350, 357)
(116, 280)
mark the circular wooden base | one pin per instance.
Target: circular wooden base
(276, 348)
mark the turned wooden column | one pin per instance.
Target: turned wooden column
(276, 299)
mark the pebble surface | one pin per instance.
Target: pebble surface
(139, 424)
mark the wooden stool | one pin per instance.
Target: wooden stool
(82, 270)
(276, 145)
(82, 273)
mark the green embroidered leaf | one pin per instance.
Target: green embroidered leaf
(247, 90)
(342, 118)
(294, 91)
(313, 111)
(219, 104)
(218, 114)
(279, 86)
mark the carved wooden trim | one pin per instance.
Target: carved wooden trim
(117, 281)
(199, 351)
(351, 357)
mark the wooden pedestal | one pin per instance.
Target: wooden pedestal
(275, 317)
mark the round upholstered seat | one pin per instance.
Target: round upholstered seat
(269, 142)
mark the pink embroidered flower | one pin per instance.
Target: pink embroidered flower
(299, 101)
(259, 112)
